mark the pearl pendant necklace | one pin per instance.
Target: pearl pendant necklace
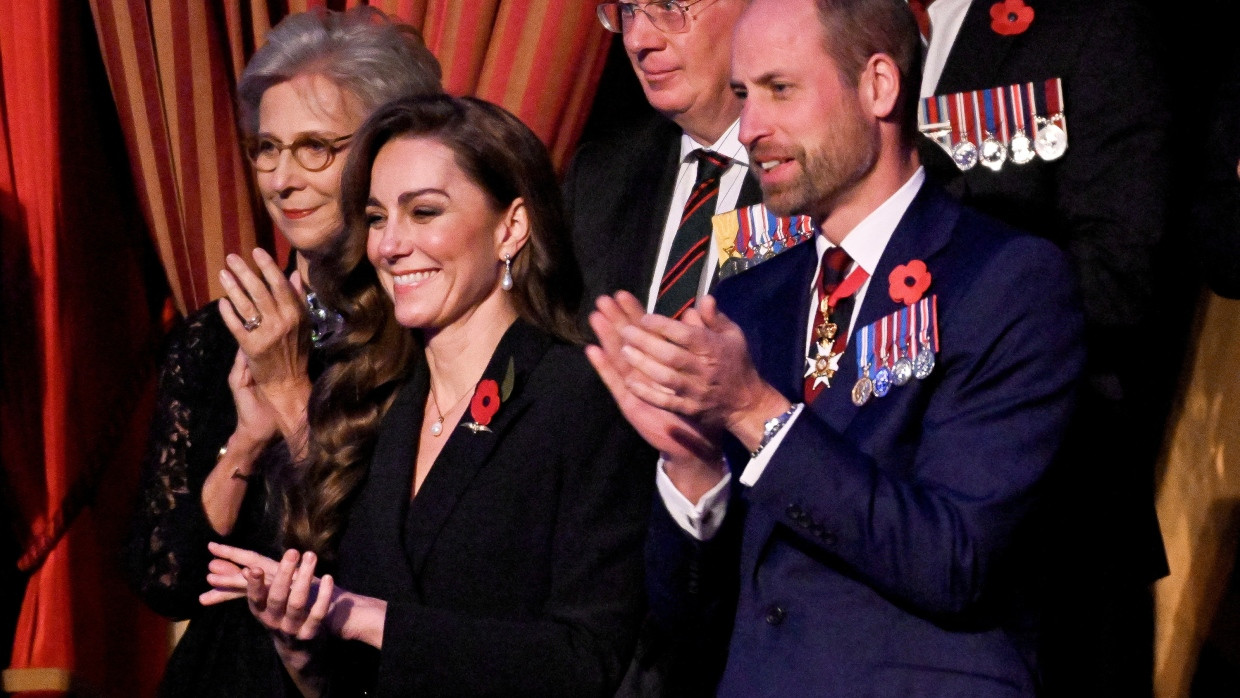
(437, 428)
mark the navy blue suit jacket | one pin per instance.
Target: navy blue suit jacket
(893, 549)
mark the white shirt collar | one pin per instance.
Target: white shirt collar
(728, 145)
(867, 240)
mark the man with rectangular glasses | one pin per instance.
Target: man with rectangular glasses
(641, 197)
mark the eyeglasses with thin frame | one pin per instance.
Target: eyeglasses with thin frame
(668, 16)
(314, 153)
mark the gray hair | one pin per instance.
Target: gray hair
(362, 51)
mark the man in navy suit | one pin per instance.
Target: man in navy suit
(856, 435)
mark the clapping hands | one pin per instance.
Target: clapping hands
(284, 596)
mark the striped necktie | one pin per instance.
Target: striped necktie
(687, 259)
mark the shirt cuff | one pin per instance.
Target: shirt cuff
(756, 466)
(702, 521)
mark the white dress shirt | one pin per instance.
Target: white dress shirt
(946, 17)
(730, 184)
(864, 244)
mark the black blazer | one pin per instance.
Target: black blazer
(517, 569)
(1104, 201)
(617, 193)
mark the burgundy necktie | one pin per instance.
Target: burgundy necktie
(835, 262)
(921, 13)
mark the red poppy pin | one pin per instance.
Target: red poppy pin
(1010, 17)
(908, 282)
(488, 397)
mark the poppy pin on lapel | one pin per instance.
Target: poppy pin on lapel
(1010, 17)
(488, 397)
(900, 346)
(908, 282)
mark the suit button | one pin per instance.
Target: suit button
(775, 614)
(795, 513)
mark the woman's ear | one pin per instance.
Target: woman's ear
(513, 230)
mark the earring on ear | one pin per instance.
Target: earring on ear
(506, 282)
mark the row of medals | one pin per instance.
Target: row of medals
(1050, 143)
(901, 371)
(764, 250)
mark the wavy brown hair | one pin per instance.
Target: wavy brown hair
(370, 361)
(364, 53)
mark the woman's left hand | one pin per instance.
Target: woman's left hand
(285, 597)
(277, 341)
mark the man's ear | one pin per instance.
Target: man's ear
(879, 86)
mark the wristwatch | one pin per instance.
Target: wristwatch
(772, 426)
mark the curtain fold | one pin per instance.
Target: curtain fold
(81, 324)
(172, 69)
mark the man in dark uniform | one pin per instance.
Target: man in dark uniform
(640, 198)
(1103, 200)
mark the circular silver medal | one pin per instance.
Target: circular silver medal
(1051, 142)
(1021, 148)
(902, 371)
(862, 389)
(964, 154)
(994, 153)
(882, 382)
(923, 363)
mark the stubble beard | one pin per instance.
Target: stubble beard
(845, 155)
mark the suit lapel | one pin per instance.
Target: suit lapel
(751, 192)
(643, 213)
(375, 518)
(777, 340)
(467, 451)
(977, 54)
(923, 230)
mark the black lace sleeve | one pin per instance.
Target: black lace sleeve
(194, 415)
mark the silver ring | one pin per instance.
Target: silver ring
(253, 323)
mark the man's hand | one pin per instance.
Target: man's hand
(699, 368)
(679, 439)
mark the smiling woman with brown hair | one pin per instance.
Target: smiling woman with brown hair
(485, 503)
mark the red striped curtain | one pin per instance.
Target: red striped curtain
(81, 323)
(173, 70)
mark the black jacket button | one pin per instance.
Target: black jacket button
(775, 614)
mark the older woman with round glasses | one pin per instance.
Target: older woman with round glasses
(230, 420)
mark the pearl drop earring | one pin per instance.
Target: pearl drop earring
(506, 282)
